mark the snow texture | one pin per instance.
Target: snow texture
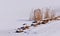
(12, 11)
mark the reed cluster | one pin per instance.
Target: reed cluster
(37, 16)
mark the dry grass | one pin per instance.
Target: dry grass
(37, 17)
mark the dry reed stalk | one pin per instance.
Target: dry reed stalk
(47, 14)
(37, 15)
(53, 15)
(31, 16)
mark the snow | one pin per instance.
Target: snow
(11, 11)
(51, 28)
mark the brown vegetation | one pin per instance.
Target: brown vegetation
(47, 14)
(37, 17)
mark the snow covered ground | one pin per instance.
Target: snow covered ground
(50, 29)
